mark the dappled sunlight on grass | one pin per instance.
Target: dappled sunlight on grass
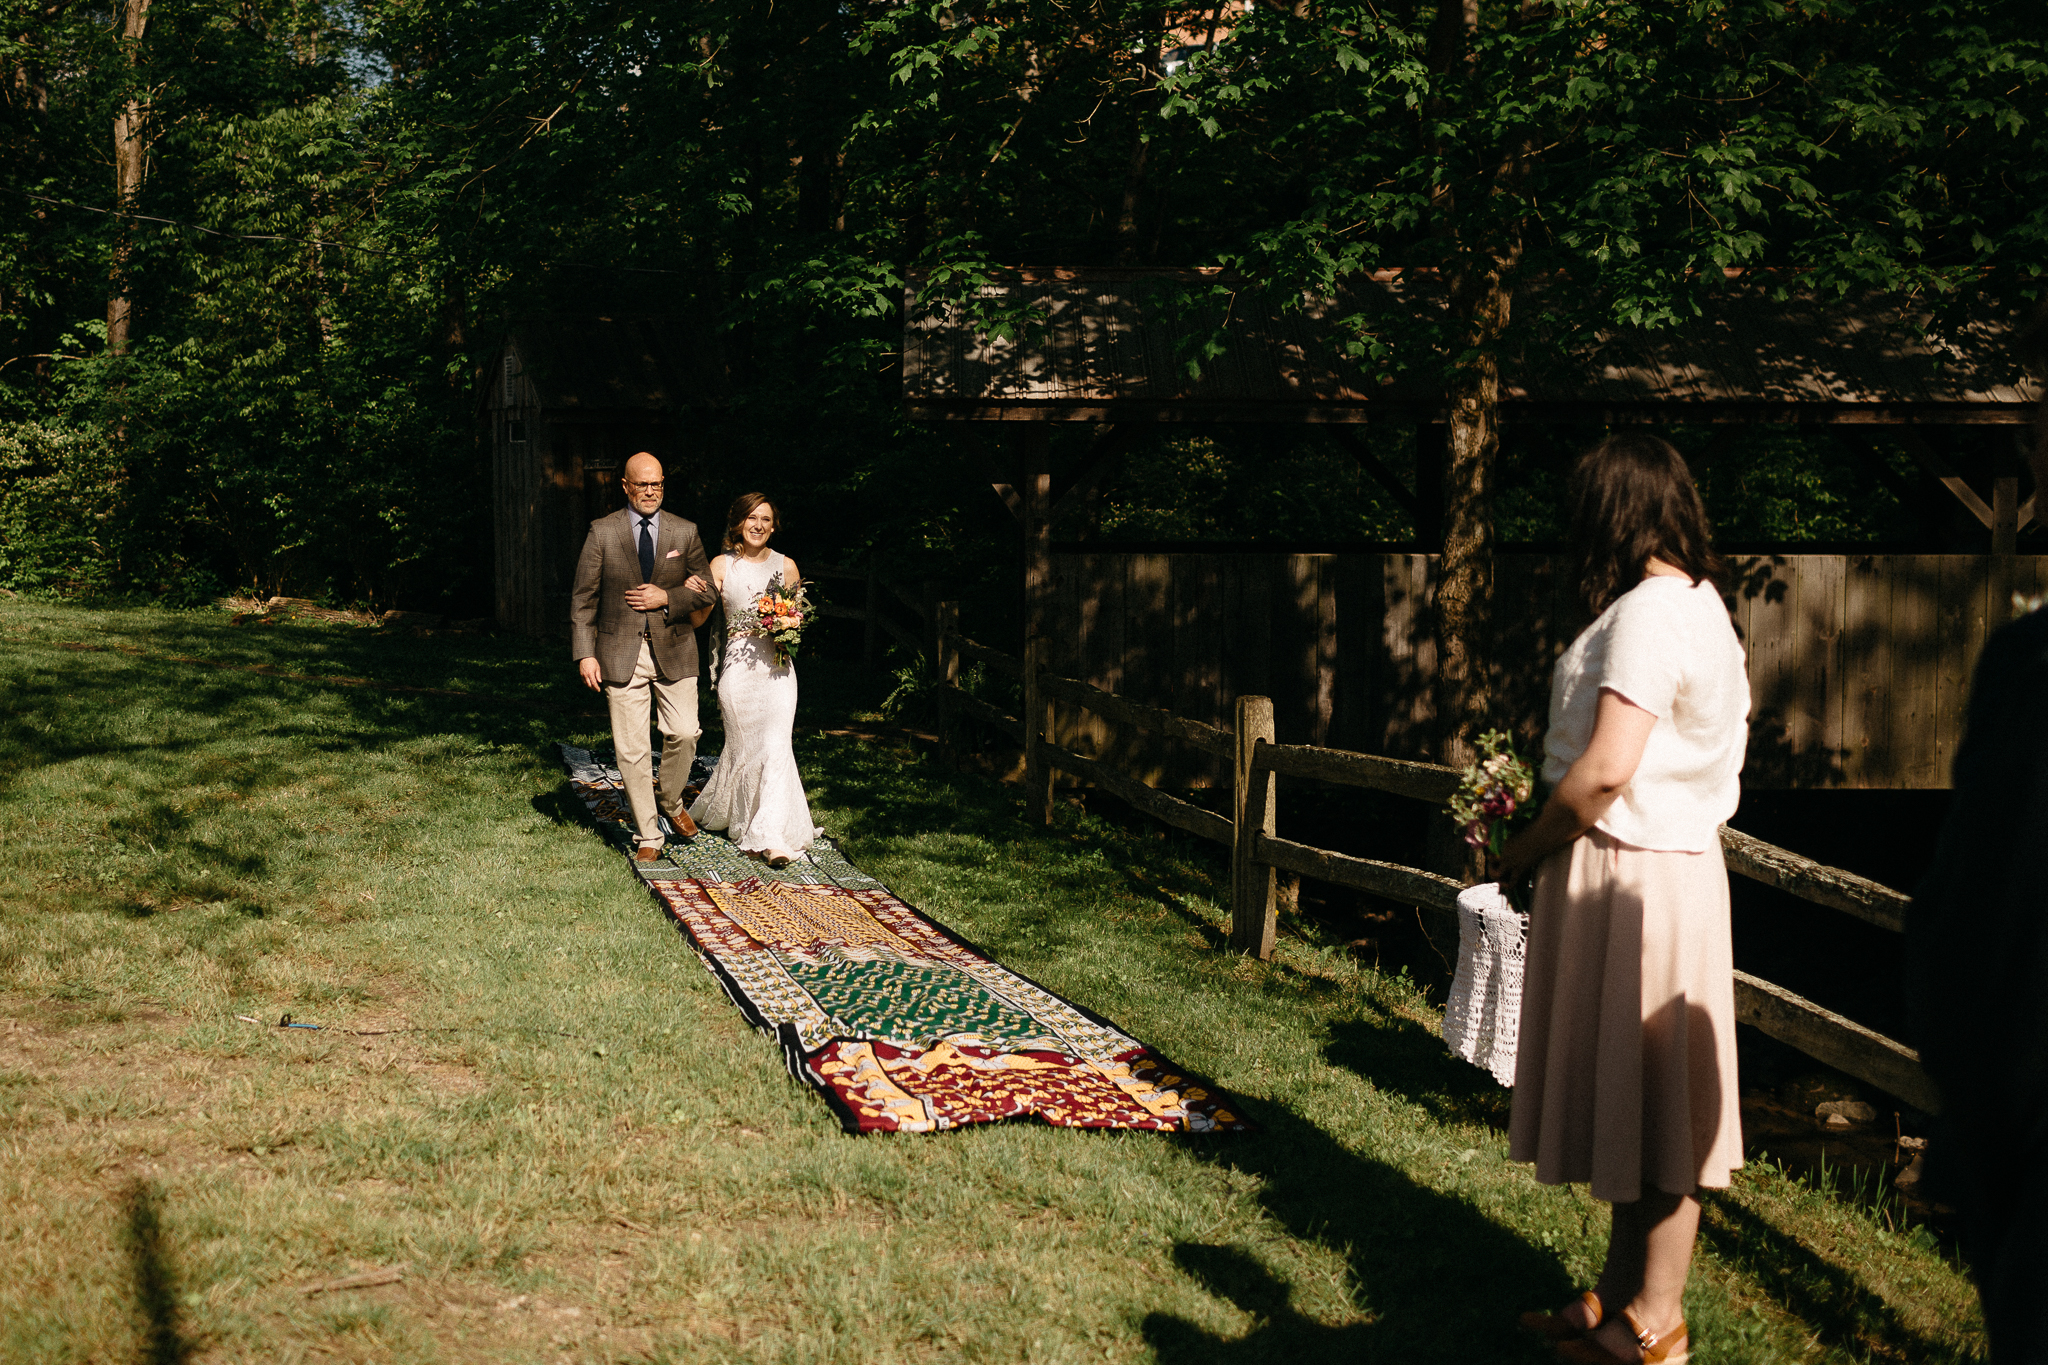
(554, 1121)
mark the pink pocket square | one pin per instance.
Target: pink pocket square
(673, 554)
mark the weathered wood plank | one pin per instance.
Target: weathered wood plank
(1841, 1043)
(1006, 664)
(907, 637)
(1411, 655)
(1254, 918)
(1769, 603)
(1148, 647)
(1915, 719)
(1207, 738)
(1430, 782)
(1357, 619)
(1157, 804)
(1817, 740)
(1408, 884)
(964, 704)
(1823, 885)
(1867, 670)
(1326, 648)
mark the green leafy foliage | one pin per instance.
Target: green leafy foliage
(347, 205)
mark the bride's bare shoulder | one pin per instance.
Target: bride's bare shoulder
(789, 573)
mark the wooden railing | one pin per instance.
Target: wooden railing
(1257, 850)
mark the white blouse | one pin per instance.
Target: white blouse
(1668, 646)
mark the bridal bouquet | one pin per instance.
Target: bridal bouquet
(780, 614)
(1493, 794)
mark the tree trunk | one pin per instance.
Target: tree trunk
(1480, 294)
(130, 162)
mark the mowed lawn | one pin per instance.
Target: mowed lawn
(574, 1149)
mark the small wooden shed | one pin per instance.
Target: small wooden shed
(1859, 663)
(564, 403)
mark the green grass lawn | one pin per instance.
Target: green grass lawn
(577, 1150)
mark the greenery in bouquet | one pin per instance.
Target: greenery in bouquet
(1494, 794)
(780, 615)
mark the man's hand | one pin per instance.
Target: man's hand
(647, 597)
(593, 676)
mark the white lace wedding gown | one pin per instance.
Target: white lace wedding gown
(755, 796)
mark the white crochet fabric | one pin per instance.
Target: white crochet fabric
(1484, 1012)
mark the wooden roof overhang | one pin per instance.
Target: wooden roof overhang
(1113, 346)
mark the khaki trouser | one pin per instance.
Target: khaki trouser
(675, 706)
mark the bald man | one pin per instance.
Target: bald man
(640, 576)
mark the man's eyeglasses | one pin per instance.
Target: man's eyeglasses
(647, 487)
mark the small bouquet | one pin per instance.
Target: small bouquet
(1494, 793)
(780, 614)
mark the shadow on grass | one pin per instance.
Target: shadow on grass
(1432, 1278)
(156, 1287)
(1834, 1304)
(1403, 1057)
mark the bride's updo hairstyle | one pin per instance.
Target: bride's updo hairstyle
(1632, 501)
(743, 507)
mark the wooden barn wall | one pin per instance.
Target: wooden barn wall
(1859, 665)
(544, 496)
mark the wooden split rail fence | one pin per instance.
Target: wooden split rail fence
(1257, 851)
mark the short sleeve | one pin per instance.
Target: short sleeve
(1645, 651)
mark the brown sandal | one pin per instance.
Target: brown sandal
(1672, 1348)
(1554, 1327)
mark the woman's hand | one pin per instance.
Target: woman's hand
(1621, 731)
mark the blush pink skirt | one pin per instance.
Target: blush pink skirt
(1625, 1063)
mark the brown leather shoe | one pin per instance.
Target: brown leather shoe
(685, 826)
(648, 855)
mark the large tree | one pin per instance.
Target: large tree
(1626, 157)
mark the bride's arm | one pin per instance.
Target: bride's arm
(703, 614)
(790, 577)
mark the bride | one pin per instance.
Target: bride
(754, 794)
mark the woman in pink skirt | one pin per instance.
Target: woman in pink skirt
(1625, 1071)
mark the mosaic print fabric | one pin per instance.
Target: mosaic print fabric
(900, 1025)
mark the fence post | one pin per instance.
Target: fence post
(946, 668)
(1253, 923)
(871, 638)
(1037, 721)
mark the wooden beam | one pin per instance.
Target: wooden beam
(997, 480)
(945, 658)
(876, 621)
(1207, 738)
(2005, 515)
(1153, 802)
(1841, 1043)
(1037, 736)
(1431, 782)
(1037, 530)
(1409, 885)
(1108, 450)
(1352, 439)
(1253, 917)
(967, 704)
(1007, 664)
(1823, 885)
(1931, 460)
(1094, 412)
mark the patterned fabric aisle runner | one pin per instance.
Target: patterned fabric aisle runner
(900, 1025)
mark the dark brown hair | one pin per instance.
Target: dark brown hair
(1632, 501)
(743, 507)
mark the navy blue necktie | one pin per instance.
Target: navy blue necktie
(646, 552)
